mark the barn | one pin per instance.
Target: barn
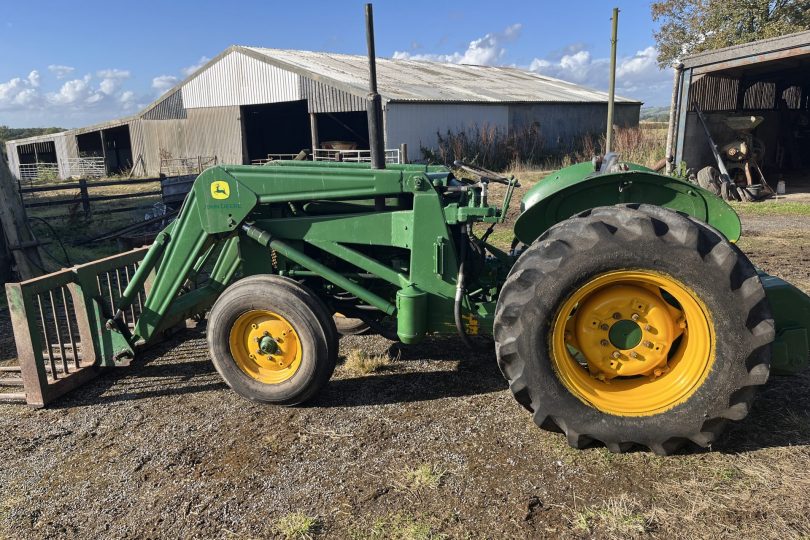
(753, 100)
(251, 104)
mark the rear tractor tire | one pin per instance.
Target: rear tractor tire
(272, 340)
(634, 325)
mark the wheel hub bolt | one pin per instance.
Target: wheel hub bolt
(617, 316)
(617, 354)
(604, 343)
(633, 354)
(648, 344)
(634, 316)
(604, 327)
(647, 327)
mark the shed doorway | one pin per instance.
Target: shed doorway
(275, 129)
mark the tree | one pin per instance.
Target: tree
(691, 26)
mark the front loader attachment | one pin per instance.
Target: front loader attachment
(59, 323)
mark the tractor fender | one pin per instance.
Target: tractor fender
(577, 188)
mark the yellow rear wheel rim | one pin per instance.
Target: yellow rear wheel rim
(265, 346)
(632, 343)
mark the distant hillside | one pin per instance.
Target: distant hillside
(654, 114)
(9, 134)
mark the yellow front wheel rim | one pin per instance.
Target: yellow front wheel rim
(632, 343)
(265, 346)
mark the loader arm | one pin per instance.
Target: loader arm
(221, 200)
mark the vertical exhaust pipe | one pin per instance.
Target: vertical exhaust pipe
(374, 102)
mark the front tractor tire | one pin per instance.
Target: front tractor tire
(272, 340)
(634, 325)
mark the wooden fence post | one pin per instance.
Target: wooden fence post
(85, 197)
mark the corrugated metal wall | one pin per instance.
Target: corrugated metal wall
(324, 98)
(170, 108)
(139, 157)
(562, 125)
(62, 155)
(238, 79)
(417, 124)
(214, 131)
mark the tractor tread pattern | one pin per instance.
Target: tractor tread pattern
(627, 223)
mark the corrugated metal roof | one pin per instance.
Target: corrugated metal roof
(752, 49)
(398, 81)
(412, 80)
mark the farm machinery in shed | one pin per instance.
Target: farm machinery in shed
(622, 314)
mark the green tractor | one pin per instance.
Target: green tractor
(624, 313)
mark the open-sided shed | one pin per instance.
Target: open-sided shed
(758, 93)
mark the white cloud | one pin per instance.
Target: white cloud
(189, 70)
(111, 80)
(75, 90)
(19, 93)
(636, 75)
(484, 51)
(162, 83)
(61, 71)
(113, 74)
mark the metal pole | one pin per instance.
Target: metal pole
(673, 106)
(612, 90)
(374, 103)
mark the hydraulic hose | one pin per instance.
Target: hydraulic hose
(460, 287)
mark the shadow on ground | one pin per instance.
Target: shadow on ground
(780, 416)
(181, 366)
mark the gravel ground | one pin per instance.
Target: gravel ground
(163, 449)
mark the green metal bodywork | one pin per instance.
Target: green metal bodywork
(579, 187)
(391, 239)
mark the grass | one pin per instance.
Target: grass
(71, 227)
(616, 518)
(425, 476)
(772, 208)
(361, 363)
(297, 526)
(397, 527)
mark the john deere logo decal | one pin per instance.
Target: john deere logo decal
(220, 189)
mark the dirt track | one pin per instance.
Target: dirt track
(164, 449)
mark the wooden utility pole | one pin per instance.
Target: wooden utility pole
(20, 240)
(612, 90)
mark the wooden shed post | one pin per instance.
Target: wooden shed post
(313, 128)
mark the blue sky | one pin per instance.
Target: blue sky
(76, 63)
